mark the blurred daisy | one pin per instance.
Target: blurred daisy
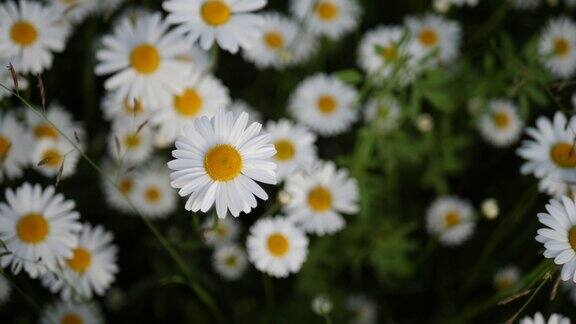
(76, 10)
(230, 23)
(225, 231)
(30, 33)
(325, 104)
(5, 290)
(320, 196)
(383, 113)
(52, 157)
(15, 143)
(321, 305)
(203, 95)
(387, 39)
(240, 106)
(549, 152)
(363, 309)
(66, 312)
(539, 319)
(557, 187)
(38, 227)
(230, 261)
(115, 107)
(559, 235)
(152, 193)
(525, 4)
(505, 278)
(91, 269)
(58, 116)
(131, 144)
(7, 81)
(217, 160)
(451, 219)
(144, 60)
(500, 124)
(294, 146)
(277, 247)
(435, 34)
(124, 177)
(331, 18)
(557, 47)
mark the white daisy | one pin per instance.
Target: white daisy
(230, 23)
(451, 219)
(330, 18)
(217, 160)
(556, 187)
(7, 81)
(76, 10)
(39, 229)
(230, 261)
(435, 34)
(505, 278)
(223, 232)
(5, 290)
(91, 269)
(115, 107)
(144, 59)
(325, 104)
(15, 143)
(124, 177)
(525, 4)
(364, 310)
(539, 319)
(277, 247)
(66, 312)
(549, 152)
(240, 106)
(500, 124)
(203, 95)
(152, 192)
(320, 196)
(557, 47)
(49, 157)
(387, 39)
(383, 113)
(130, 141)
(30, 33)
(57, 115)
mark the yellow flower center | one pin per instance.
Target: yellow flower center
(274, 40)
(132, 141)
(563, 155)
(327, 11)
(320, 199)
(231, 261)
(221, 231)
(126, 185)
(389, 53)
(145, 58)
(45, 131)
(153, 195)
(71, 318)
(52, 158)
(326, 104)
(561, 46)
(572, 237)
(501, 119)
(278, 244)
(23, 33)
(428, 37)
(223, 162)
(215, 12)
(451, 219)
(285, 150)
(5, 145)
(32, 228)
(133, 107)
(189, 103)
(81, 260)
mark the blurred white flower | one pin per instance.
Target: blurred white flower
(451, 219)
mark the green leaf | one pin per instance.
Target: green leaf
(350, 76)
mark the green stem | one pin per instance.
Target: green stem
(28, 299)
(269, 292)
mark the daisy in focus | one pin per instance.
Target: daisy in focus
(500, 124)
(231, 24)
(383, 113)
(76, 10)
(325, 104)
(230, 261)
(505, 278)
(225, 231)
(277, 247)
(319, 197)
(15, 143)
(330, 18)
(539, 319)
(65, 312)
(363, 309)
(39, 227)
(294, 146)
(55, 158)
(451, 219)
(435, 35)
(153, 194)
(91, 269)
(557, 47)
(217, 161)
(144, 60)
(30, 34)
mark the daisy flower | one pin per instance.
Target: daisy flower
(321, 305)
(451, 219)
(15, 143)
(67, 312)
(383, 113)
(38, 227)
(230, 23)
(223, 232)
(506, 278)
(203, 95)
(294, 146)
(364, 310)
(319, 197)
(240, 106)
(7, 81)
(5, 290)
(525, 4)
(556, 187)
(152, 192)
(557, 47)
(330, 18)
(58, 116)
(30, 33)
(76, 10)
(387, 39)
(277, 247)
(230, 261)
(549, 151)
(325, 104)
(130, 142)
(217, 160)
(91, 269)
(539, 319)
(114, 107)
(49, 157)
(124, 177)
(435, 34)
(144, 60)
(500, 124)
